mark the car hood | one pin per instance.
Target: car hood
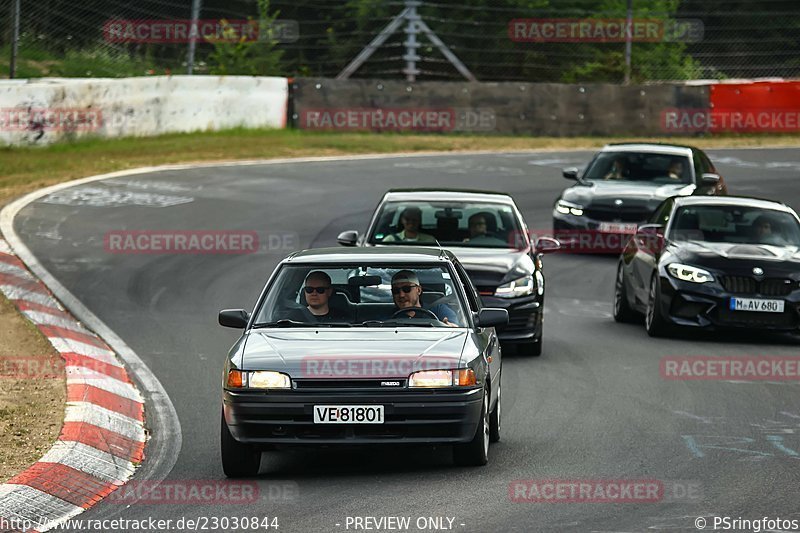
(734, 256)
(353, 353)
(606, 192)
(494, 266)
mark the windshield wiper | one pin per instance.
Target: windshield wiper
(286, 323)
(379, 323)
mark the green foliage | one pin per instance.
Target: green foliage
(240, 55)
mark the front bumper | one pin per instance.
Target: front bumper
(525, 317)
(411, 417)
(706, 305)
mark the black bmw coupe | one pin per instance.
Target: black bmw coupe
(713, 262)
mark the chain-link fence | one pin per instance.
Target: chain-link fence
(494, 40)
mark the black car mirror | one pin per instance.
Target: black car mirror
(348, 238)
(650, 236)
(364, 281)
(710, 178)
(570, 173)
(546, 245)
(491, 316)
(234, 318)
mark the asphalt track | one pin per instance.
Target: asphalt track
(593, 407)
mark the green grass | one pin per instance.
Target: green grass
(23, 169)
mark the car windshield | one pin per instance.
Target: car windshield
(735, 224)
(369, 295)
(471, 224)
(658, 169)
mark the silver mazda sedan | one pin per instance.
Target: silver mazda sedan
(363, 346)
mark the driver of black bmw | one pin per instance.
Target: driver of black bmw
(406, 293)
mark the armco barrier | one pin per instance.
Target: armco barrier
(549, 109)
(48, 110)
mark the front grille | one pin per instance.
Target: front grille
(748, 285)
(349, 383)
(624, 214)
(726, 317)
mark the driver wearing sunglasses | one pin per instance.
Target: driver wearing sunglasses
(317, 290)
(406, 293)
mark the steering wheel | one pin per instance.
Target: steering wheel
(416, 310)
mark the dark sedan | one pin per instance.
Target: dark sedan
(622, 186)
(713, 263)
(488, 235)
(415, 362)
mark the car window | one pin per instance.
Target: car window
(735, 224)
(469, 224)
(472, 295)
(350, 295)
(662, 213)
(656, 168)
(701, 165)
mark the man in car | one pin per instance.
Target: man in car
(411, 219)
(406, 293)
(617, 171)
(318, 291)
(675, 171)
(764, 234)
(478, 233)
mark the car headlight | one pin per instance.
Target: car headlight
(514, 289)
(261, 379)
(442, 378)
(689, 273)
(566, 208)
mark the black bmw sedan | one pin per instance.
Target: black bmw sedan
(713, 263)
(622, 186)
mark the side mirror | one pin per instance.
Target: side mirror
(490, 316)
(234, 318)
(709, 178)
(650, 236)
(348, 238)
(570, 173)
(546, 245)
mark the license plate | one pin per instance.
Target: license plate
(614, 227)
(757, 305)
(348, 414)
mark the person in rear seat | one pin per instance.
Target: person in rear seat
(406, 292)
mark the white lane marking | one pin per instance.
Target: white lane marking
(702, 419)
(97, 463)
(21, 502)
(791, 415)
(104, 418)
(80, 375)
(107, 197)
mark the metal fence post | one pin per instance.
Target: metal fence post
(193, 36)
(12, 67)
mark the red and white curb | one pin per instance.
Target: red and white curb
(103, 437)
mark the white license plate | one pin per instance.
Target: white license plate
(615, 227)
(348, 414)
(757, 305)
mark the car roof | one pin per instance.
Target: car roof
(462, 195)
(655, 148)
(383, 254)
(732, 200)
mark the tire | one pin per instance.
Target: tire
(238, 460)
(495, 417)
(654, 321)
(476, 451)
(622, 308)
